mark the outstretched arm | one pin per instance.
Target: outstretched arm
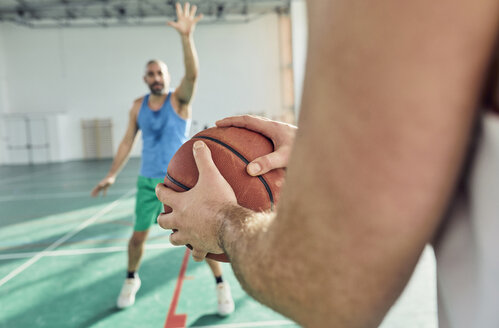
(185, 25)
(121, 156)
(385, 122)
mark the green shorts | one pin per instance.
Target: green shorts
(147, 205)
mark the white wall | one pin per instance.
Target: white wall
(3, 96)
(97, 72)
(3, 75)
(299, 32)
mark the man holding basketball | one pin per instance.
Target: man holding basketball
(381, 166)
(164, 117)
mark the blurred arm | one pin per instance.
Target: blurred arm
(121, 156)
(185, 25)
(390, 92)
(126, 143)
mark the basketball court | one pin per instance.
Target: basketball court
(62, 257)
(70, 70)
(63, 260)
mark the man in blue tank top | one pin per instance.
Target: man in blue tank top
(164, 117)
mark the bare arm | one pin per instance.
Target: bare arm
(185, 25)
(185, 90)
(122, 154)
(389, 98)
(390, 104)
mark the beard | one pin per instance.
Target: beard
(157, 88)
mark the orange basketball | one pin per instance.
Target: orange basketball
(231, 149)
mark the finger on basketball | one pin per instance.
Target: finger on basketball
(167, 221)
(264, 164)
(198, 256)
(240, 121)
(166, 195)
(177, 238)
(255, 123)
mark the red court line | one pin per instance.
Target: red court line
(178, 320)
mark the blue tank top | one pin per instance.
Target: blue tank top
(163, 132)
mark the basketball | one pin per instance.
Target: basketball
(232, 149)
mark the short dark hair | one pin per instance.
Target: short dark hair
(156, 61)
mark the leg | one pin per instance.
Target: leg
(215, 267)
(147, 208)
(132, 283)
(224, 296)
(136, 249)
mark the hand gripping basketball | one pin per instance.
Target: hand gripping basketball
(231, 149)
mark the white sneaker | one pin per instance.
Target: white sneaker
(128, 291)
(225, 302)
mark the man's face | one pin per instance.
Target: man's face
(157, 78)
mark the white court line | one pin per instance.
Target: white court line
(72, 182)
(61, 240)
(66, 181)
(69, 252)
(28, 176)
(251, 324)
(21, 177)
(74, 194)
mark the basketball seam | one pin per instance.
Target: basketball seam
(262, 180)
(177, 183)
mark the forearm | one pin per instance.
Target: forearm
(120, 158)
(190, 57)
(281, 266)
(244, 238)
(277, 265)
(354, 217)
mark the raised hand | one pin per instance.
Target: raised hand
(186, 19)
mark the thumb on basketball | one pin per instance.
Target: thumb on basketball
(202, 156)
(210, 177)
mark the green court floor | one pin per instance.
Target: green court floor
(63, 260)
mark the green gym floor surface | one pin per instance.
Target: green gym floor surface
(63, 261)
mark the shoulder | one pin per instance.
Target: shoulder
(137, 103)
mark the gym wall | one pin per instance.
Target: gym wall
(299, 32)
(87, 73)
(3, 94)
